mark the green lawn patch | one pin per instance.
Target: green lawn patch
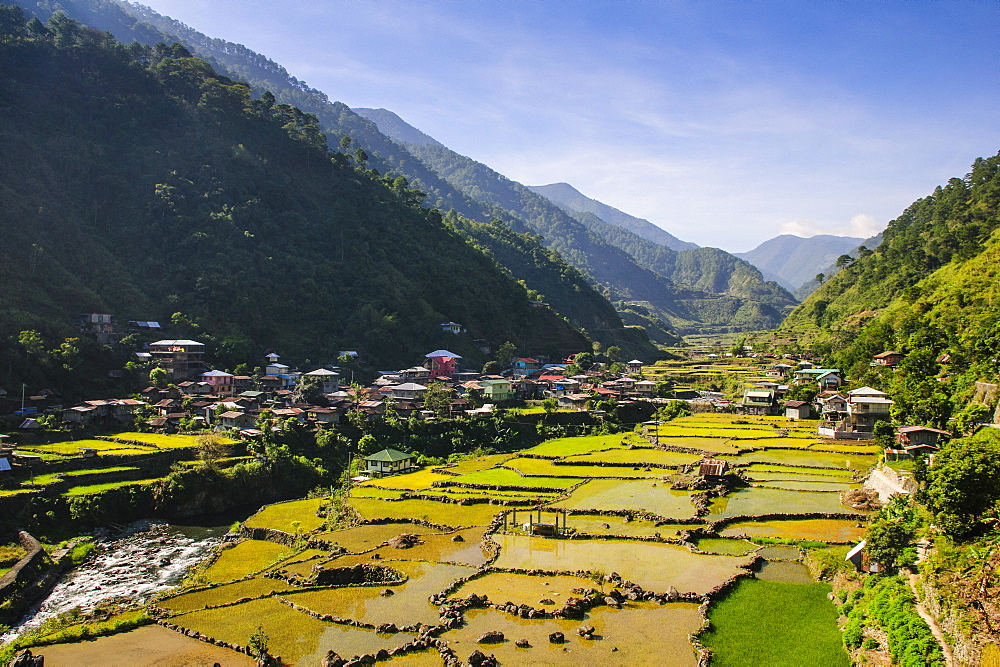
(578, 445)
(162, 440)
(775, 623)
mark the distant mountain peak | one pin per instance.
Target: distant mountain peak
(794, 260)
(395, 127)
(569, 198)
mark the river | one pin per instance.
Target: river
(136, 562)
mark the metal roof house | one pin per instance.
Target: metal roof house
(388, 462)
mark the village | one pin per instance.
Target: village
(706, 462)
(188, 395)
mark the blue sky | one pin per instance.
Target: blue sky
(726, 123)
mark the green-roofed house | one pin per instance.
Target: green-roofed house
(388, 462)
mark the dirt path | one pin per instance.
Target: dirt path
(932, 623)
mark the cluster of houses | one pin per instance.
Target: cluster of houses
(199, 397)
(845, 415)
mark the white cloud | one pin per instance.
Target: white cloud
(861, 225)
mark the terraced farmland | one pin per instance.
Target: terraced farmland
(425, 567)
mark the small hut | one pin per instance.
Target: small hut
(388, 462)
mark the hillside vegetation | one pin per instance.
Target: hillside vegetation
(928, 291)
(141, 183)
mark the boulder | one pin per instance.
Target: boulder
(480, 659)
(386, 592)
(26, 659)
(332, 660)
(557, 638)
(491, 637)
(522, 643)
(585, 631)
(546, 601)
(387, 628)
(404, 541)
(458, 538)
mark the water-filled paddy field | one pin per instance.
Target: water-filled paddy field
(421, 552)
(648, 496)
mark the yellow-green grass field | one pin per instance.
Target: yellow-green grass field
(102, 446)
(247, 557)
(655, 566)
(478, 463)
(282, 516)
(163, 440)
(448, 514)
(422, 479)
(407, 606)
(211, 597)
(107, 486)
(548, 467)
(643, 633)
(823, 530)
(292, 634)
(634, 457)
(505, 477)
(579, 445)
(757, 501)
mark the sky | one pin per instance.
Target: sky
(725, 123)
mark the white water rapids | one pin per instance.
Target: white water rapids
(144, 558)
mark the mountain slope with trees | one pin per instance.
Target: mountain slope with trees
(569, 198)
(349, 133)
(928, 291)
(683, 288)
(141, 183)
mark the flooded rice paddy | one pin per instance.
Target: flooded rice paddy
(757, 501)
(432, 553)
(643, 496)
(639, 634)
(654, 566)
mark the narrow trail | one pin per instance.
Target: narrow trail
(932, 623)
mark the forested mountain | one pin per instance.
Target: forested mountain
(136, 22)
(833, 267)
(795, 260)
(617, 273)
(569, 198)
(706, 290)
(930, 291)
(138, 182)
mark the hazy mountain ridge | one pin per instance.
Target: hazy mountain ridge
(796, 260)
(566, 196)
(393, 126)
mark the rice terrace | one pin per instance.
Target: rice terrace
(578, 551)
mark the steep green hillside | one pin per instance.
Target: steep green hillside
(137, 22)
(930, 289)
(138, 182)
